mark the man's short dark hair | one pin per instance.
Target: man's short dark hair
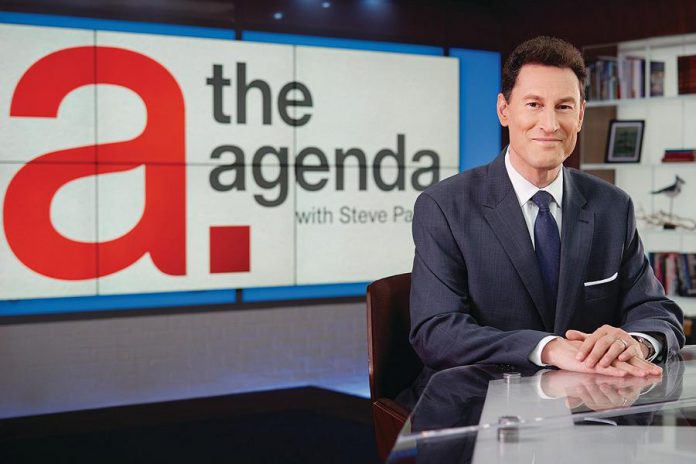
(547, 51)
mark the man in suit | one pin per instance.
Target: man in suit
(526, 262)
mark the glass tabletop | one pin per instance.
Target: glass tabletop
(485, 414)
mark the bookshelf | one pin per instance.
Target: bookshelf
(640, 81)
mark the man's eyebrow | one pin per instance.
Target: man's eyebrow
(533, 96)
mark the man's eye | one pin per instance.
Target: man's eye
(533, 105)
(565, 107)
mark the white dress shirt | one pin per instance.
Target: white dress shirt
(525, 190)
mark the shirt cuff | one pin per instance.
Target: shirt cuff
(535, 355)
(653, 341)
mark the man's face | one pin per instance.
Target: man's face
(544, 116)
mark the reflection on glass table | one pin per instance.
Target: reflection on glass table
(486, 414)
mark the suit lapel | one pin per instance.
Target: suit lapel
(576, 243)
(504, 215)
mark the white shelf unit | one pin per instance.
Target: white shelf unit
(639, 101)
(670, 123)
(686, 303)
(677, 165)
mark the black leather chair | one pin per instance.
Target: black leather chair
(393, 365)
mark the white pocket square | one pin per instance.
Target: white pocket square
(603, 281)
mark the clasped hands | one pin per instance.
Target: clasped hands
(608, 350)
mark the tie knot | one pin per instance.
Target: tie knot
(542, 200)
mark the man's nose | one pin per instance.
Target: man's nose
(549, 120)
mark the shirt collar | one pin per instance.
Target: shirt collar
(525, 190)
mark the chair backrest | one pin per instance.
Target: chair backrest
(393, 365)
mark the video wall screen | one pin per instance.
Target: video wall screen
(137, 163)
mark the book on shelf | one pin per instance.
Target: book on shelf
(691, 269)
(686, 72)
(680, 155)
(675, 271)
(657, 78)
(671, 282)
(634, 82)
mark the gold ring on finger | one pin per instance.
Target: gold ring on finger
(625, 345)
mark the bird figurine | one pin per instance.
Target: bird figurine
(671, 191)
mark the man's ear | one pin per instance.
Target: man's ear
(502, 108)
(582, 115)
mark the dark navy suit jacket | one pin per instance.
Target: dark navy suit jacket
(477, 293)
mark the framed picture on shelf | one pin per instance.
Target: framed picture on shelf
(625, 141)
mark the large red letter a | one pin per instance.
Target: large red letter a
(160, 148)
